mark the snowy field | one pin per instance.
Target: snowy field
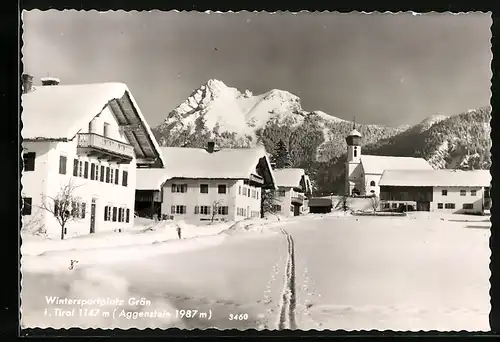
(425, 271)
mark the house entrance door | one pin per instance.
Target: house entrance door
(296, 210)
(92, 216)
(423, 206)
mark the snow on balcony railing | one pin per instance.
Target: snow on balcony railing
(92, 140)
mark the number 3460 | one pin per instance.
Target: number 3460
(238, 317)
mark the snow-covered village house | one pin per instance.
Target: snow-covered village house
(363, 172)
(87, 138)
(293, 187)
(451, 191)
(205, 184)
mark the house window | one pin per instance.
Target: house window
(102, 173)
(86, 170)
(281, 193)
(205, 210)
(239, 190)
(204, 188)
(120, 214)
(257, 194)
(62, 165)
(276, 207)
(473, 192)
(75, 167)
(179, 188)
(29, 161)
(444, 192)
(449, 205)
(463, 192)
(116, 176)
(124, 178)
(372, 183)
(222, 210)
(111, 176)
(440, 205)
(355, 152)
(180, 209)
(27, 202)
(248, 193)
(386, 206)
(80, 169)
(75, 209)
(108, 173)
(467, 206)
(127, 216)
(114, 214)
(222, 188)
(394, 205)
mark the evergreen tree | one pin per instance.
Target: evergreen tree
(280, 157)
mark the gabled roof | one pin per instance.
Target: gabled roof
(59, 112)
(378, 164)
(445, 178)
(197, 163)
(292, 178)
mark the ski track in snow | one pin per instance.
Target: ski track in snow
(288, 298)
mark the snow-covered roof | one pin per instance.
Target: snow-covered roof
(354, 133)
(288, 177)
(197, 163)
(54, 79)
(59, 112)
(445, 178)
(378, 164)
(291, 178)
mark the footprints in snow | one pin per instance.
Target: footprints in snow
(268, 299)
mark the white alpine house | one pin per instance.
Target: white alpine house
(293, 185)
(207, 184)
(90, 138)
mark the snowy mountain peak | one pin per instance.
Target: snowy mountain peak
(215, 105)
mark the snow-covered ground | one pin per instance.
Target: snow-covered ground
(419, 272)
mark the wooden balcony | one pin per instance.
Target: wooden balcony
(297, 199)
(105, 148)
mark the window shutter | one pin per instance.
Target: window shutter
(172, 209)
(62, 165)
(184, 187)
(173, 187)
(92, 171)
(114, 214)
(105, 213)
(116, 176)
(102, 173)
(128, 215)
(196, 209)
(124, 178)
(107, 174)
(83, 209)
(86, 170)
(75, 167)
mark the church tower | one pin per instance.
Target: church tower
(353, 162)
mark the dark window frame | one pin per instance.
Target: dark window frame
(29, 161)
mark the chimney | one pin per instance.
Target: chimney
(211, 146)
(27, 83)
(49, 81)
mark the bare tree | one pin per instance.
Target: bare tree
(375, 202)
(34, 224)
(215, 209)
(64, 206)
(268, 202)
(343, 203)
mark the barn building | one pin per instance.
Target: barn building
(451, 191)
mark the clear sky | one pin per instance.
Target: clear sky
(381, 68)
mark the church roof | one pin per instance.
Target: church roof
(378, 164)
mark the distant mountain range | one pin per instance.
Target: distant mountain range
(316, 140)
